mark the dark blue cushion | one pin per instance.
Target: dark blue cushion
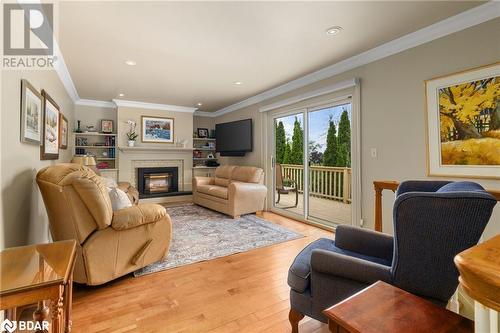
(460, 187)
(300, 271)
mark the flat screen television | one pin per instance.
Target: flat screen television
(234, 138)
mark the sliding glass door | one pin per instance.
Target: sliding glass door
(312, 164)
(288, 163)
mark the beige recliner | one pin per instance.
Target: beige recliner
(235, 190)
(110, 244)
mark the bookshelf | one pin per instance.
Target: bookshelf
(103, 147)
(202, 148)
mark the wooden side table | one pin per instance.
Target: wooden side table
(36, 273)
(479, 269)
(383, 308)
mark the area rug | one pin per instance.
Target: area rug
(200, 234)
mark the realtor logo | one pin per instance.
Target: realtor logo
(28, 29)
(8, 326)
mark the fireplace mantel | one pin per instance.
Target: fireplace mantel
(125, 149)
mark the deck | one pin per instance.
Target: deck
(324, 209)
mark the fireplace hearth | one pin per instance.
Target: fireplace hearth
(157, 182)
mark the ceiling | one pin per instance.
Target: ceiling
(191, 52)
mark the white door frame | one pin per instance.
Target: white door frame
(269, 151)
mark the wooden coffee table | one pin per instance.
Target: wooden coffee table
(383, 308)
(36, 273)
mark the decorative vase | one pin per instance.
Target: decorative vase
(131, 143)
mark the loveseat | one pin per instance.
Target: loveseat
(234, 190)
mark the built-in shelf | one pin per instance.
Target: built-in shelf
(105, 158)
(206, 149)
(203, 158)
(94, 134)
(97, 147)
(204, 139)
(204, 167)
(172, 149)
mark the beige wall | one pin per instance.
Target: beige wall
(92, 115)
(24, 216)
(203, 122)
(392, 111)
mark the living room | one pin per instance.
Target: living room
(250, 166)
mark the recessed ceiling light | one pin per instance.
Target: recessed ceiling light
(199, 104)
(130, 62)
(121, 95)
(333, 31)
(238, 83)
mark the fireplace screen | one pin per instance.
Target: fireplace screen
(154, 183)
(157, 182)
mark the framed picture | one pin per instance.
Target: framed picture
(49, 150)
(157, 129)
(463, 124)
(31, 114)
(202, 132)
(63, 131)
(106, 126)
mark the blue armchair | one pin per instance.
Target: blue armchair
(433, 221)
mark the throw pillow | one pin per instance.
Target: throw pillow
(119, 199)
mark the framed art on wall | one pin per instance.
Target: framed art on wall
(31, 114)
(157, 129)
(63, 132)
(463, 124)
(202, 132)
(106, 126)
(49, 150)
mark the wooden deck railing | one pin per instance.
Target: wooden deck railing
(380, 185)
(324, 182)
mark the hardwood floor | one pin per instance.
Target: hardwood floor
(245, 292)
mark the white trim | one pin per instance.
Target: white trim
(153, 106)
(63, 73)
(204, 114)
(310, 94)
(95, 103)
(464, 20)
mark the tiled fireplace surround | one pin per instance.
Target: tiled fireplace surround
(130, 160)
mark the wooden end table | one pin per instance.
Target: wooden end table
(383, 308)
(36, 273)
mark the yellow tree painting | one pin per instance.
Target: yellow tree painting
(469, 123)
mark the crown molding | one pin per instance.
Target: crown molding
(310, 94)
(205, 114)
(153, 106)
(95, 103)
(464, 20)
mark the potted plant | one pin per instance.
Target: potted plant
(131, 134)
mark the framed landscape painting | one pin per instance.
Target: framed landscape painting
(31, 114)
(463, 124)
(157, 129)
(63, 132)
(50, 142)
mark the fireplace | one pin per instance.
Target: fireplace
(157, 182)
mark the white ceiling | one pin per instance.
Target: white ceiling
(190, 52)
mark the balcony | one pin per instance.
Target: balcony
(329, 195)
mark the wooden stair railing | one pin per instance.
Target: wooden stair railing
(380, 185)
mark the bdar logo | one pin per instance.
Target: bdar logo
(8, 326)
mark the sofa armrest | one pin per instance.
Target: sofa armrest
(137, 215)
(352, 268)
(246, 197)
(131, 192)
(367, 242)
(202, 181)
